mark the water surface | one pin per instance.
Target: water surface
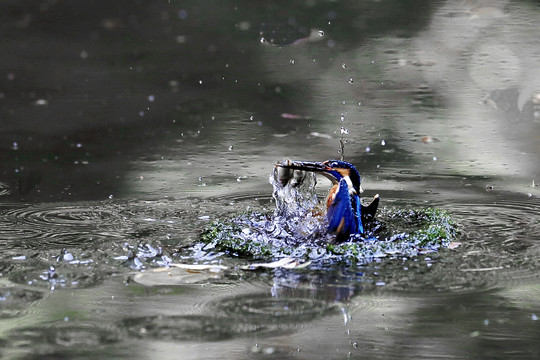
(127, 128)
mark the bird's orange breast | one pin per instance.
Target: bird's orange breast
(332, 195)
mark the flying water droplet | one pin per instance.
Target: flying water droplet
(292, 61)
(344, 66)
(344, 131)
(351, 81)
(383, 143)
(230, 148)
(342, 117)
(321, 33)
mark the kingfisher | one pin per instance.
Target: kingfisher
(346, 214)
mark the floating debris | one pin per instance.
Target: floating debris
(286, 263)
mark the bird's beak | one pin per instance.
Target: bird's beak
(303, 165)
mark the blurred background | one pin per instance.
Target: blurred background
(144, 98)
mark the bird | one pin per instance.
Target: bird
(346, 215)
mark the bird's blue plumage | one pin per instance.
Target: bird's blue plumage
(344, 213)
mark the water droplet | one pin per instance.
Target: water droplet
(200, 178)
(383, 142)
(292, 61)
(262, 40)
(321, 33)
(373, 61)
(182, 14)
(378, 166)
(141, 113)
(200, 82)
(344, 66)
(359, 103)
(344, 102)
(111, 196)
(151, 98)
(434, 158)
(15, 146)
(534, 317)
(344, 131)
(342, 117)
(351, 80)
(368, 149)
(251, 118)
(230, 148)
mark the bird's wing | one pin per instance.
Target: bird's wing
(340, 215)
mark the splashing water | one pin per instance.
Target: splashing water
(294, 191)
(297, 228)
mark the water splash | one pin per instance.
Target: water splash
(294, 191)
(297, 228)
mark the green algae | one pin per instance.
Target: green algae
(395, 232)
(224, 236)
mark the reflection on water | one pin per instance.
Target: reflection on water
(127, 128)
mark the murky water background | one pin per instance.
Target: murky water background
(126, 127)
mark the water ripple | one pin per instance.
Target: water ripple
(14, 300)
(53, 336)
(232, 317)
(59, 225)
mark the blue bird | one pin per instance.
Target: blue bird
(345, 213)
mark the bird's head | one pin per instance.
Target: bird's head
(335, 170)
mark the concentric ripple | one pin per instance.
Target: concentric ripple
(183, 328)
(64, 334)
(282, 310)
(232, 317)
(59, 225)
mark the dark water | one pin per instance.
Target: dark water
(126, 127)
